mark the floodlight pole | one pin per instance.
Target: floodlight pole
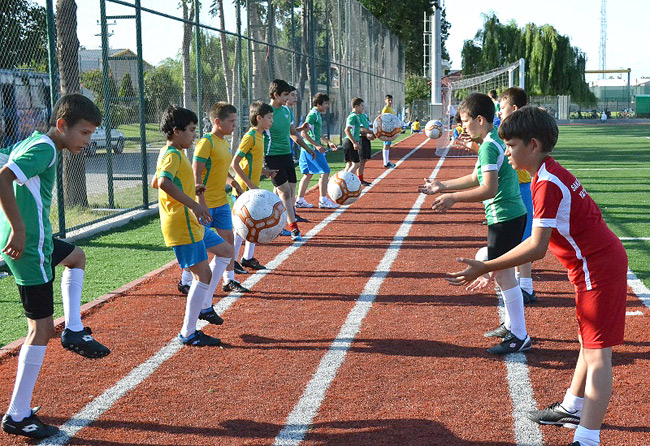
(435, 108)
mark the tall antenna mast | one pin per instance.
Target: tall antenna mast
(603, 38)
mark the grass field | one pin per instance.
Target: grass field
(613, 163)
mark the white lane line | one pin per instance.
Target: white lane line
(302, 415)
(633, 239)
(521, 392)
(93, 410)
(641, 291)
(634, 313)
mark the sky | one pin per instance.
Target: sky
(627, 21)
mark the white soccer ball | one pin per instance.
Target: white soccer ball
(387, 127)
(344, 187)
(433, 129)
(258, 216)
(482, 254)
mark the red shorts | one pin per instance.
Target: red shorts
(601, 314)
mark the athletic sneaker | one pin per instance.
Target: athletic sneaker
(285, 232)
(30, 427)
(300, 219)
(211, 316)
(239, 269)
(575, 443)
(82, 343)
(327, 204)
(555, 414)
(199, 339)
(500, 332)
(302, 203)
(252, 263)
(389, 165)
(511, 344)
(183, 288)
(529, 298)
(233, 285)
(295, 235)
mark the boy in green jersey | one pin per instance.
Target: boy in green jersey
(495, 183)
(26, 184)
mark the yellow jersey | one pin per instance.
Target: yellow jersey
(416, 125)
(524, 176)
(251, 150)
(179, 224)
(215, 153)
(387, 109)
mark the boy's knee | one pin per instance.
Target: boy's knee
(225, 250)
(597, 357)
(76, 259)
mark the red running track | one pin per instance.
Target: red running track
(415, 374)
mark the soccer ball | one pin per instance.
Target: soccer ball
(387, 127)
(433, 129)
(482, 254)
(258, 216)
(344, 187)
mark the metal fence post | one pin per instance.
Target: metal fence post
(107, 103)
(143, 129)
(199, 82)
(53, 68)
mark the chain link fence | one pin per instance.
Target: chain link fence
(136, 57)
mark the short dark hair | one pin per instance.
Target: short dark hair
(530, 122)
(457, 119)
(515, 96)
(478, 104)
(259, 108)
(176, 118)
(356, 101)
(221, 110)
(278, 86)
(319, 98)
(492, 94)
(388, 96)
(74, 107)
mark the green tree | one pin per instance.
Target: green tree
(163, 86)
(126, 88)
(417, 87)
(94, 81)
(23, 38)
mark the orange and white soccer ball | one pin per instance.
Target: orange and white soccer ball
(259, 216)
(344, 187)
(433, 129)
(387, 127)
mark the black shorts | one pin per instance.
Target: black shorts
(38, 300)
(504, 236)
(365, 151)
(350, 154)
(285, 167)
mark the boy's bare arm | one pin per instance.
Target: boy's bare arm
(436, 187)
(200, 210)
(240, 172)
(354, 142)
(483, 192)
(16, 242)
(301, 142)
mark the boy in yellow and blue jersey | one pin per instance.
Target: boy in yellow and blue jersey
(388, 108)
(248, 165)
(182, 219)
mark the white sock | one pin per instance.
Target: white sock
(572, 403)
(186, 277)
(249, 250)
(217, 267)
(30, 361)
(72, 284)
(587, 437)
(518, 277)
(237, 246)
(384, 154)
(322, 199)
(195, 299)
(228, 276)
(526, 284)
(514, 303)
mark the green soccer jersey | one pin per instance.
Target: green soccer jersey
(278, 139)
(354, 123)
(507, 203)
(365, 121)
(315, 121)
(33, 161)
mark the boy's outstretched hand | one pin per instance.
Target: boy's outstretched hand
(430, 187)
(474, 270)
(15, 244)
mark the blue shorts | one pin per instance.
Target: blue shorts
(313, 166)
(221, 218)
(387, 144)
(195, 253)
(527, 198)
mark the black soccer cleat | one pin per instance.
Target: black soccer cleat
(30, 427)
(295, 235)
(239, 269)
(500, 332)
(529, 298)
(555, 414)
(575, 443)
(511, 344)
(82, 343)
(252, 263)
(199, 339)
(183, 288)
(233, 285)
(211, 316)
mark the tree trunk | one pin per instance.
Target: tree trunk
(260, 80)
(187, 38)
(74, 166)
(227, 74)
